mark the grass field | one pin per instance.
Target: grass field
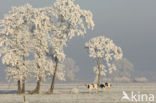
(62, 93)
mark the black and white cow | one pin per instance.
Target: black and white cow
(92, 87)
(105, 85)
(95, 86)
(102, 86)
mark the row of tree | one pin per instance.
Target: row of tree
(32, 40)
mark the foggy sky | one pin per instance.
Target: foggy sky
(130, 23)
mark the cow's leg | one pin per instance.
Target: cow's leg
(103, 89)
(97, 90)
(90, 91)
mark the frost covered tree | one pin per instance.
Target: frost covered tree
(25, 30)
(15, 43)
(42, 32)
(70, 20)
(42, 67)
(71, 68)
(124, 70)
(104, 50)
(40, 27)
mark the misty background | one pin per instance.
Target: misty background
(131, 24)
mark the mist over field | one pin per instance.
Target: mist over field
(77, 51)
(63, 93)
(131, 24)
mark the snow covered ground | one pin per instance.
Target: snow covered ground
(62, 93)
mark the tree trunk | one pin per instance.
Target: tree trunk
(23, 80)
(99, 75)
(23, 86)
(19, 87)
(37, 89)
(54, 78)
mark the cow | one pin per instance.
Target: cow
(107, 85)
(102, 86)
(92, 87)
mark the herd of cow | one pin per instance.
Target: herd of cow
(103, 86)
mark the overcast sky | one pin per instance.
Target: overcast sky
(130, 23)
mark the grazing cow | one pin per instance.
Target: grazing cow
(92, 86)
(107, 85)
(95, 86)
(102, 86)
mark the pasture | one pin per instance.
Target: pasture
(63, 94)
